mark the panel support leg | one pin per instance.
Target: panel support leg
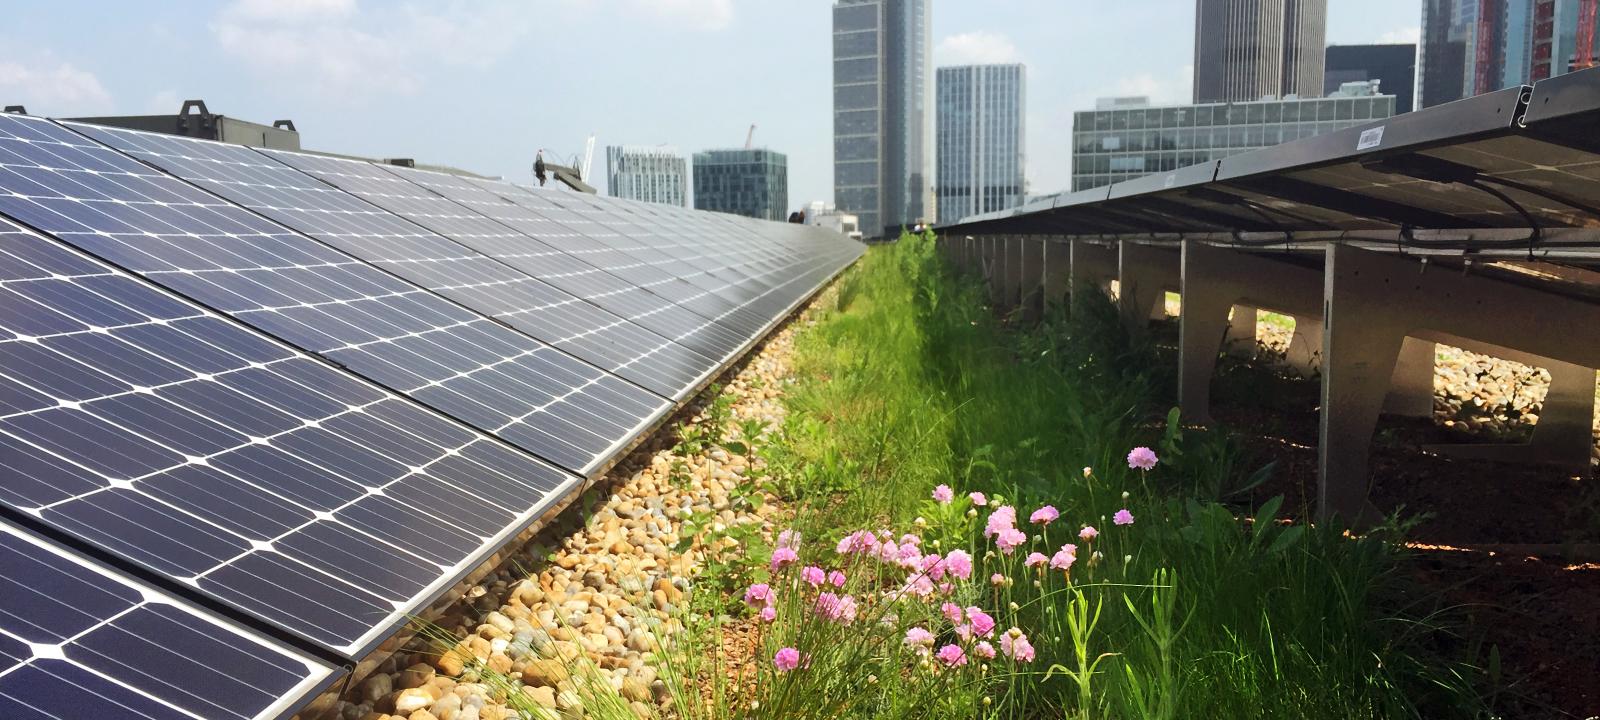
(1241, 338)
(1411, 388)
(1057, 269)
(1031, 277)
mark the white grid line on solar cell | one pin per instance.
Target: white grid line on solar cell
(320, 210)
(576, 276)
(99, 641)
(326, 304)
(311, 417)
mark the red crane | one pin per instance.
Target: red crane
(1583, 57)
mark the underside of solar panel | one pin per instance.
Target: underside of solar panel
(259, 410)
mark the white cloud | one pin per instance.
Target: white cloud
(335, 48)
(976, 48)
(49, 87)
(1403, 36)
(706, 15)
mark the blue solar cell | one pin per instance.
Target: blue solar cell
(78, 640)
(417, 254)
(194, 448)
(308, 294)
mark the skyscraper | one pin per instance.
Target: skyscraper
(1250, 49)
(753, 182)
(1393, 66)
(980, 147)
(650, 174)
(881, 125)
(1471, 47)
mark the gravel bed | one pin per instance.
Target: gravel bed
(1476, 395)
(587, 598)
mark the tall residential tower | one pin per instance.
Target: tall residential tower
(1252, 49)
(980, 147)
(882, 129)
(651, 174)
(1471, 47)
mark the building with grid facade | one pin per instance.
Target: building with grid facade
(1125, 138)
(753, 182)
(1252, 49)
(1471, 47)
(650, 174)
(882, 129)
(979, 138)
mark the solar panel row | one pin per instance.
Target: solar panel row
(313, 394)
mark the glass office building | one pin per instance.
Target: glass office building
(980, 125)
(1471, 47)
(650, 174)
(1124, 138)
(882, 129)
(753, 182)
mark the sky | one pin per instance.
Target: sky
(482, 84)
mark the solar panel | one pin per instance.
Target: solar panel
(318, 299)
(523, 244)
(404, 248)
(208, 454)
(79, 640)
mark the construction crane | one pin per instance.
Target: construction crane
(1583, 57)
(750, 137)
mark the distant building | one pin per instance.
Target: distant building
(825, 215)
(1394, 67)
(650, 174)
(1252, 49)
(882, 130)
(1126, 138)
(1471, 47)
(751, 182)
(980, 119)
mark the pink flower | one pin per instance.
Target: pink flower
(1123, 517)
(920, 586)
(978, 499)
(758, 594)
(1035, 559)
(837, 579)
(1016, 646)
(1002, 518)
(783, 557)
(1088, 533)
(997, 579)
(933, 566)
(919, 638)
(838, 609)
(982, 623)
(789, 539)
(1064, 557)
(984, 650)
(857, 542)
(768, 614)
(787, 659)
(813, 575)
(945, 588)
(1009, 539)
(951, 612)
(959, 563)
(1142, 458)
(910, 557)
(1044, 515)
(952, 656)
(943, 494)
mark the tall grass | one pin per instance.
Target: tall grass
(1199, 609)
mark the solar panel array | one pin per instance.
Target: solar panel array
(310, 395)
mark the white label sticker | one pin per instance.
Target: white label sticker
(1370, 138)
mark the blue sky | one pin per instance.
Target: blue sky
(482, 84)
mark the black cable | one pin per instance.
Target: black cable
(1533, 223)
